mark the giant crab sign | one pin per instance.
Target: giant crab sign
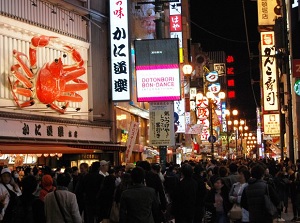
(53, 83)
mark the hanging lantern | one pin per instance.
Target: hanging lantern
(52, 154)
(38, 155)
(46, 155)
(59, 155)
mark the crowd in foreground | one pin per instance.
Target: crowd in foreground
(193, 192)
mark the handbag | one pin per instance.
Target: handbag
(114, 212)
(235, 212)
(269, 206)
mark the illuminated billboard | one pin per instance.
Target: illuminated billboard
(157, 70)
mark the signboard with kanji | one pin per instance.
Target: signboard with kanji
(272, 124)
(269, 72)
(162, 123)
(120, 50)
(157, 70)
(268, 11)
(134, 128)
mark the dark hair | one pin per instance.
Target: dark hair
(223, 171)
(257, 171)
(63, 179)
(156, 167)
(95, 167)
(29, 184)
(187, 170)
(137, 175)
(246, 174)
(198, 169)
(145, 165)
(74, 168)
(27, 171)
(233, 168)
(241, 168)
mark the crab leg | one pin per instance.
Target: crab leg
(37, 41)
(76, 57)
(74, 74)
(81, 85)
(72, 98)
(21, 64)
(58, 109)
(20, 77)
(21, 91)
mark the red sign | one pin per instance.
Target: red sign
(296, 67)
(175, 23)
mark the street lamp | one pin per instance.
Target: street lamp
(211, 96)
(229, 122)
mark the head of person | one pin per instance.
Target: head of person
(75, 170)
(145, 165)
(218, 183)
(223, 172)
(233, 168)
(63, 179)
(95, 167)
(257, 171)
(47, 182)
(29, 184)
(6, 175)
(186, 170)
(244, 175)
(84, 168)
(104, 166)
(137, 175)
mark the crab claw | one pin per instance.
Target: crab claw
(41, 41)
(17, 55)
(75, 55)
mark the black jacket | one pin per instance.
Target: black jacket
(253, 200)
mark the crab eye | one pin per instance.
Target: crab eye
(56, 60)
(65, 55)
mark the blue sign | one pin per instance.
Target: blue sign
(212, 139)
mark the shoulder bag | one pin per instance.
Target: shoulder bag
(60, 207)
(235, 212)
(269, 206)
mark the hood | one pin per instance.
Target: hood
(47, 181)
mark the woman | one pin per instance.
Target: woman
(236, 191)
(217, 202)
(47, 186)
(9, 191)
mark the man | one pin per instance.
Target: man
(61, 204)
(104, 166)
(253, 196)
(84, 168)
(139, 203)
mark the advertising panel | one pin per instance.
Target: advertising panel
(272, 124)
(162, 123)
(134, 128)
(157, 70)
(269, 72)
(120, 50)
(268, 11)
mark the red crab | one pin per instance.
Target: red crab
(52, 83)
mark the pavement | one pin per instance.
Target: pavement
(289, 215)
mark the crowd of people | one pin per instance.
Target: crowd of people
(207, 191)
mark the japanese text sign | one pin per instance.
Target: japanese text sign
(268, 11)
(162, 123)
(269, 72)
(271, 124)
(134, 128)
(120, 50)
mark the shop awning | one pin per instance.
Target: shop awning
(16, 148)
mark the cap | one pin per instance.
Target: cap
(103, 162)
(5, 170)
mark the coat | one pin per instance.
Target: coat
(69, 207)
(139, 204)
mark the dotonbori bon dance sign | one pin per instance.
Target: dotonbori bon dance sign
(269, 72)
(157, 70)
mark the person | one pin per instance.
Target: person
(253, 196)
(233, 174)
(84, 168)
(47, 186)
(9, 192)
(139, 203)
(61, 204)
(237, 189)
(184, 196)
(29, 208)
(91, 186)
(217, 201)
(104, 166)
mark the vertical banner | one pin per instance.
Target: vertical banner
(120, 50)
(134, 128)
(162, 123)
(179, 116)
(269, 72)
(268, 11)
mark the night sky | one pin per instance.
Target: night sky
(219, 25)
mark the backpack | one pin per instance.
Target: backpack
(11, 207)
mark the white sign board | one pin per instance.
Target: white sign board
(268, 11)
(269, 72)
(162, 123)
(272, 124)
(120, 50)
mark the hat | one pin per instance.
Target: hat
(47, 181)
(5, 170)
(103, 162)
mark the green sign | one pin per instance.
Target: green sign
(297, 87)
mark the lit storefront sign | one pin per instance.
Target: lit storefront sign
(179, 112)
(272, 124)
(297, 87)
(39, 130)
(269, 72)
(162, 124)
(134, 128)
(120, 50)
(157, 70)
(268, 10)
(220, 68)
